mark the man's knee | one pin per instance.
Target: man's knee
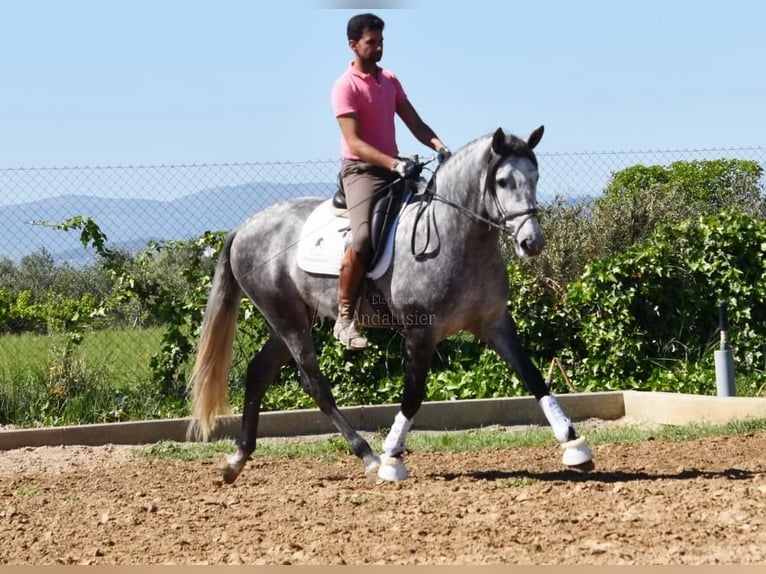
(363, 249)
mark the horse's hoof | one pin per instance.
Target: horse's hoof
(577, 453)
(231, 468)
(230, 474)
(371, 468)
(584, 467)
(392, 469)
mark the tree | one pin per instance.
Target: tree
(36, 272)
(641, 197)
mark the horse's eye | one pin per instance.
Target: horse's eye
(502, 182)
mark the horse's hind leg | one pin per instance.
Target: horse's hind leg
(315, 384)
(504, 339)
(295, 330)
(262, 370)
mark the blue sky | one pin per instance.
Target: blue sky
(88, 82)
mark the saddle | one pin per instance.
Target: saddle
(384, 212)
(325, 235)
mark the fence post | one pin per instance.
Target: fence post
(724, 360)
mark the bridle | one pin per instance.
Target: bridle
(501, 225)
(493, 163)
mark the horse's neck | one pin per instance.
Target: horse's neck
(461, 184)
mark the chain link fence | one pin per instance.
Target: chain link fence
(136, 204)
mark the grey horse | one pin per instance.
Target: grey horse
(447, 275)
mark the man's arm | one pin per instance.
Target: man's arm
(417, 126)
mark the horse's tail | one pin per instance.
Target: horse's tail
(209, 380)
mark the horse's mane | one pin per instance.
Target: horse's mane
(513, 146)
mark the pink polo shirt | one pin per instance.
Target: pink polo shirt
(374, 101)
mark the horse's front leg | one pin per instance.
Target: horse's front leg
(504, 339)
(419, 348)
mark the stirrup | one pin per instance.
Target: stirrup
(346, 332)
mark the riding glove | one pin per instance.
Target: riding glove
(406, 169)
(443, 154)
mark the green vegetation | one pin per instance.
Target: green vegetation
(625, 295)
(28, 491)
(327, 449)
(98, 376)
(450, 442)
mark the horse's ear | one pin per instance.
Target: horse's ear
(534, 138)
(498, 141)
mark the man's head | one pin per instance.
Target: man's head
(365, 37)
(360, 23)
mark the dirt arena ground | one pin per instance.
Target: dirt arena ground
(700, 502)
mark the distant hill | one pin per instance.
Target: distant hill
(132, 223)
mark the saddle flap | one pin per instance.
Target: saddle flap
(384, 213)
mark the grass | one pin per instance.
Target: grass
(516, 482)
(124, 353)
(451, 442)
(29, 491)
(51, 380)
(327, 449)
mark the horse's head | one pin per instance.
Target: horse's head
(510, 184)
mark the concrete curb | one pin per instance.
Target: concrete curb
(678, 409)
(660, 408)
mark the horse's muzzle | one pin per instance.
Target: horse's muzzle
(531, 247)
(530, 239)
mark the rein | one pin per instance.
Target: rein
(473, 215)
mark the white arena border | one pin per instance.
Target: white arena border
(649, 407)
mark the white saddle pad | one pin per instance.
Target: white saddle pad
(324, 238)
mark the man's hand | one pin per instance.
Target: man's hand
(443, 154)
(406, 168)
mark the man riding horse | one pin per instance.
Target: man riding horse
(457, 276)
(365, 99)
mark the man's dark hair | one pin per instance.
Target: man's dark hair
(358, 24)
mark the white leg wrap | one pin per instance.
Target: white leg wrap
(394, 443)
(576, 452)
(556, 418)
(392, 469)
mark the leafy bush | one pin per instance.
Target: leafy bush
(640, 198)
(710, 184)
(38, 273)
(646, 313)
(634, 204)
